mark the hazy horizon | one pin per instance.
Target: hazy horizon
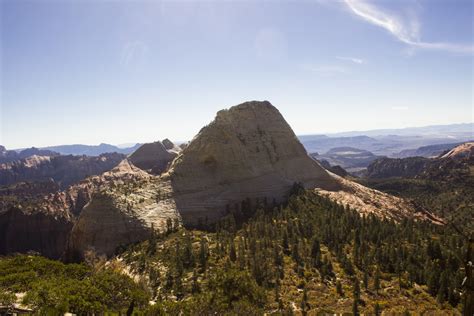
(119, 72)
(179, 141)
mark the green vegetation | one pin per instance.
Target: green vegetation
(53, 287)
(309, 256)
(452, 200)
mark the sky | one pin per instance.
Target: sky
(138, 71)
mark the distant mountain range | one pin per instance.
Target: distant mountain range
(393, 142)
(91, 150)
(396, 143)
(453, 130)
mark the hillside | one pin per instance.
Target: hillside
(307, 257)
(444, 185)
(241, 220)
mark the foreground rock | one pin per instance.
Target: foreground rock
(248, 152)
(126, 208)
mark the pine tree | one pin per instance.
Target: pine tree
(232, 253)
(188, 255)
(377, 281)
(366, 280)
(203, 253)
(295, 253)
(195, 285)
(377, 309)
(285, 243)
(151, 249)
(316, 253)
(443, 288)
(304, 302)
(356, 289)
(339, 288)
(355, 307)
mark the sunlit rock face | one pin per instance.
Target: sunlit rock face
(248, 152)
(126, 207)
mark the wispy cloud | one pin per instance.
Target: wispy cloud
(133, 51)
(352, 59)
(325, 69)
(405, 28)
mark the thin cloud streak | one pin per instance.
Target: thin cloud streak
(325, 69)
(352, 59)
(405, 31)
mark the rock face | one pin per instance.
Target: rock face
(462, 152)
(123, 213)
(154, 157)
(248, 152)
(34, 217)
(65, 170)
(40, 232)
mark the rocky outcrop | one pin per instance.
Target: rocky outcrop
(462, 152)
(118, 216)
(34, 218)
(154, 157)
(248, 152)
(369, 201)
(65, 170)
(40, 232)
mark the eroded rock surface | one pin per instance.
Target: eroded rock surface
(126, 207)
(369, 201)
(248, 151)
(65, 170)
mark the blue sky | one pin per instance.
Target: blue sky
(138, 71)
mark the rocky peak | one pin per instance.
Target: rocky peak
(248, 151)
(154, 157)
